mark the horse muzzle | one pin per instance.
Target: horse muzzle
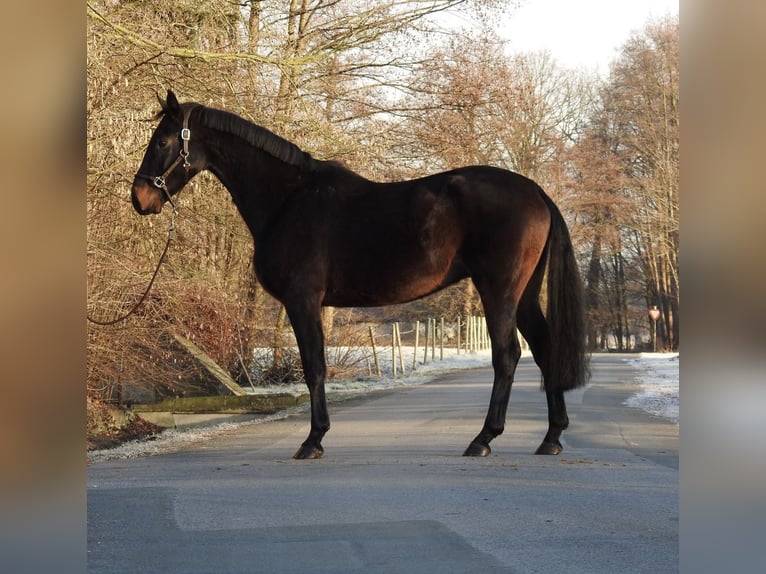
(146, 199)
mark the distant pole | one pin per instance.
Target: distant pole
(654, 314)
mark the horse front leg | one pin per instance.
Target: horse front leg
(307, 325)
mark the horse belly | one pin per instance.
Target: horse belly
(394, 271)
(374, 288)
(398, 246)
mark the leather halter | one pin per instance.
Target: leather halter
(183, 156)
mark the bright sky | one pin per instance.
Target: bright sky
(581, 33)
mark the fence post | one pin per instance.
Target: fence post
(374, 352)
(433, 339)
(479, 333)
(441, 339)
(393, 349)
(399, 344)
(425, 347)
(415, 353)
(469, 334)
(480, 328)
(457, 347)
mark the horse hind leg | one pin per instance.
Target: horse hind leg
(534, 328)
(506, 352)
(558, 421)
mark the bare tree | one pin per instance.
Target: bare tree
(643, 97)
(316, 71)
(623, 185)
(475, 105)
(596, 193)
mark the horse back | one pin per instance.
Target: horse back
(362, 243)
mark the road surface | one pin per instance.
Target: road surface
(393, 493)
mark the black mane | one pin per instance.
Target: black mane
(256, 136)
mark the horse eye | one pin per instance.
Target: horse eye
(162, 142)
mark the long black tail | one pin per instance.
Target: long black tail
(567, 360)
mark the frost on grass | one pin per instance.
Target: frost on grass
(659, 385)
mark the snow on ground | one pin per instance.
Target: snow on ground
(659, 381)
(659, 395)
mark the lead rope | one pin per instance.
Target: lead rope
(183, 156)
(171, 231)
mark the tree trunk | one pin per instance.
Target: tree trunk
(254, 25)
(592, 290)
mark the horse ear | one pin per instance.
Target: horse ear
(172, 106)
(168, 106)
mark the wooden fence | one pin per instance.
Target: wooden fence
(429, 340)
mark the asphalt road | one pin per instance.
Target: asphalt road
(393, 493)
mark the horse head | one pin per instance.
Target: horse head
(167, 165)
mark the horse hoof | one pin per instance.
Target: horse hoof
(308, 451)
(476, 449)
(549, 448)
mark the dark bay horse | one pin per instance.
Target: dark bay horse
(325, 235)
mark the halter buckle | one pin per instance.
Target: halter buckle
(185, 134)
(159, 182)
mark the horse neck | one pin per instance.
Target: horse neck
(258, 182)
